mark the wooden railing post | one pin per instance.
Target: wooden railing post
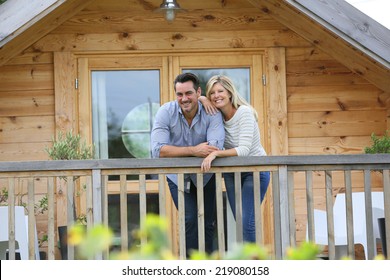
(97, 196)
(11, 219)
(277, 219)
(238, 202)
(220, 219)
(200, 202)
(181, 209)
(386, 193)
(97, 201)
(281, 211)
(330, 215)
(284, 209)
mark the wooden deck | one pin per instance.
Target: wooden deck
(94, 174)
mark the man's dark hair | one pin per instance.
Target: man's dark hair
(185, 77)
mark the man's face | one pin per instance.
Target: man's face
(187, 97)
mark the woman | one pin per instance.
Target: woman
(242, 138)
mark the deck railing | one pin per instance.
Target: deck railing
(94, 175)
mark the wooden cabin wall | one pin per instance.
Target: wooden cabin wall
(26, 107)
(330, 110)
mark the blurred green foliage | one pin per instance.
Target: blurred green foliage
(157, 247)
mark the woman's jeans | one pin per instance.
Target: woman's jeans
(191, 214)
(248, 206)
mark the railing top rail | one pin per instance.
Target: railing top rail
(57, 165)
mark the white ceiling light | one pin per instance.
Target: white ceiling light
(170, 7)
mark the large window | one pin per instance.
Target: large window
(124, 104)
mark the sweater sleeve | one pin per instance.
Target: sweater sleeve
(245, 124)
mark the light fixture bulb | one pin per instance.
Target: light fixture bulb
(170, 8)
(170, 15)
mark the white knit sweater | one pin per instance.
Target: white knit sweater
(242, 133)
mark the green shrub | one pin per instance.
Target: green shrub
(69, 147)
(380, 145)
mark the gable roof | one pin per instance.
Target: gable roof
(334, 26)
(340, 30)
(351, 25)
(23, 22)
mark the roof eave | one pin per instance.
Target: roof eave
(357, 57)
(42, 23)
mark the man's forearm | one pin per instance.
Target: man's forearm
(174, 151)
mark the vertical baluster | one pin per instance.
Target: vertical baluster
(200, 202)
(310, 205)
(386, 193)
(70, 212)
(371, 242)
(329, 216)
(220, 215)
(258, 218)
(238, 202)
(51, 219)
(291, 208)
(142, 205)
(277, 220)
(31, 218)
(284, 208)
(11, 219)
(161, 195)
(181, 209)
(123, 211)
(349, 212)
(103, 209)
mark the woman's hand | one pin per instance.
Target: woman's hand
(208, 106)
(206, 164)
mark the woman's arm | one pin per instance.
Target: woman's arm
(206, 164)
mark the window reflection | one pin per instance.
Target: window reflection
(239, 76)
(124, 104)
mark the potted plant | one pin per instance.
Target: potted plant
(380, 145)
(69, 146)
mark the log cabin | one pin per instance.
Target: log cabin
(317, 72)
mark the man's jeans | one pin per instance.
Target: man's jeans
(248, 206)
(191, 214)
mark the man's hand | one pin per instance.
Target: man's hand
(203, 149)
(208, 106)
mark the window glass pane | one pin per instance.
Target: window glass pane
(124, 104)
(239, 76)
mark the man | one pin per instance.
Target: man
(182, 128)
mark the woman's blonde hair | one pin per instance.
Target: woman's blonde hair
(236, 99)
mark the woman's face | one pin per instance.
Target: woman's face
(219, 96)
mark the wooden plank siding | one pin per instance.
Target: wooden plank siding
(314, 103)
(26, 107)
